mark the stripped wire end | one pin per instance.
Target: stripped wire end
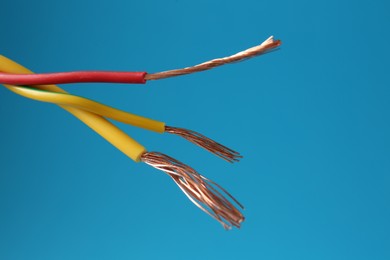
(204, 193)
(265, 47)
(206, 143)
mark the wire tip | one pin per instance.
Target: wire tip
(204, 193)
(263, 48)
(206, 143)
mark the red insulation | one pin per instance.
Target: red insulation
(73, 77)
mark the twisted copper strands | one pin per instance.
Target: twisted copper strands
(206, 143)
(263, 48)
(204, 193)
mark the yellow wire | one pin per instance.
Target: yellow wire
(91, 106)
(106, 129)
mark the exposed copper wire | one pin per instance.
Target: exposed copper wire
(206, 143)
(204, 193)
(263, 48)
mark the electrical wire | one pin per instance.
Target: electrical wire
(127, 118)
(132, 77)
(203, 192)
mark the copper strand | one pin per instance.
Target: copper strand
(206, 143)
(263, 48)
(204, 193)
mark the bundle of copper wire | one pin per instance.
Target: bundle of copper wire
(204, 193)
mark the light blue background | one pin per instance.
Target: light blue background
(311, 119)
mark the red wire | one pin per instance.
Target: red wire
(73, 77)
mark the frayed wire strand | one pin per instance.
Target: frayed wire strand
(204, 193)
(206, 143)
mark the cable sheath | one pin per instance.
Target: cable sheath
(91, 106)
(73, 77)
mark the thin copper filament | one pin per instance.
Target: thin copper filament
(206, 143)
(263, 48)
(204, 193)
